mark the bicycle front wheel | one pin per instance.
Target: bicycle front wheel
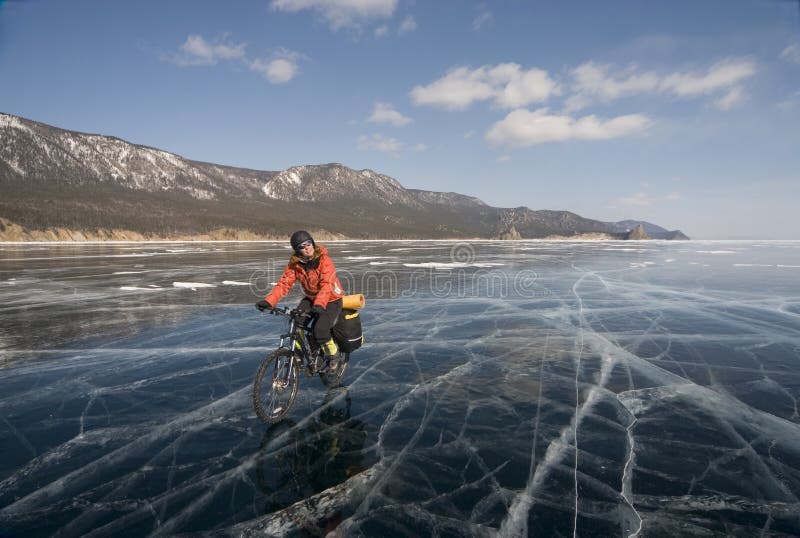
(275, 386)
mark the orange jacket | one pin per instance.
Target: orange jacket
(317, 276)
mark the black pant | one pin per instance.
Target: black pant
(322, 325)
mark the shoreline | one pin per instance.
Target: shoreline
(11, 233)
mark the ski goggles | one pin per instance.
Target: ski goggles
(304, 244)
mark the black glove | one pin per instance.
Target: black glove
(263, 305)
(317, 310)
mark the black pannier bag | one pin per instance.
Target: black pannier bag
(347, 331)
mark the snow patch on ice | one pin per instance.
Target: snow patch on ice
(715, 251)
(192, 285)
(137, 288)
(752, 265)
(367, 257)
(126, 272)
(414, 248)
(453, 265)
(234, 283)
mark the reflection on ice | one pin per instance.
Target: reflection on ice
(614, 394)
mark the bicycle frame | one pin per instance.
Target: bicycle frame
(298, 338)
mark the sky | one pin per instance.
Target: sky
(681, 113)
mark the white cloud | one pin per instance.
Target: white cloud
(508, 85)
(381, 31)
(522, 128)
(378, 142)
(277, 71)
(385, 113)
(643, 199)
(281, 67)
(593, 82)
(420, 147)
(408, 25)
(720, 76)
(340, 14)
(730, 99)
(484, 18)
(594, 79)
(197, 51)
(455, 91)
(525, 87)
(504, 158)
(791, 53)
(469, 134)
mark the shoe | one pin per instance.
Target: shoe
(333, 363)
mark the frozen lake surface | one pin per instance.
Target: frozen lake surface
(506, 388)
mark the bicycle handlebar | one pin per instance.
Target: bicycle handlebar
(289, 312)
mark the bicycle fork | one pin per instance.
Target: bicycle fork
(299, 348)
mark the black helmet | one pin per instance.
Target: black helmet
(300, 237)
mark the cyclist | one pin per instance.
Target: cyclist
(311, 265)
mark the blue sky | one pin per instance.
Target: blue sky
(686, 114)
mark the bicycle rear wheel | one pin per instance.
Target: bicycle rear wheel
(275, 386)
(331, 377)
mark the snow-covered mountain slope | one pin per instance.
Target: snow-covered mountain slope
(330, 182)
(34, 151)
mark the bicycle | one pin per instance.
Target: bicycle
(273, 400)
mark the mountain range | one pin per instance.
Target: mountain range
(60, 184)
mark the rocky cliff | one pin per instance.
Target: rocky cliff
(638, 233)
